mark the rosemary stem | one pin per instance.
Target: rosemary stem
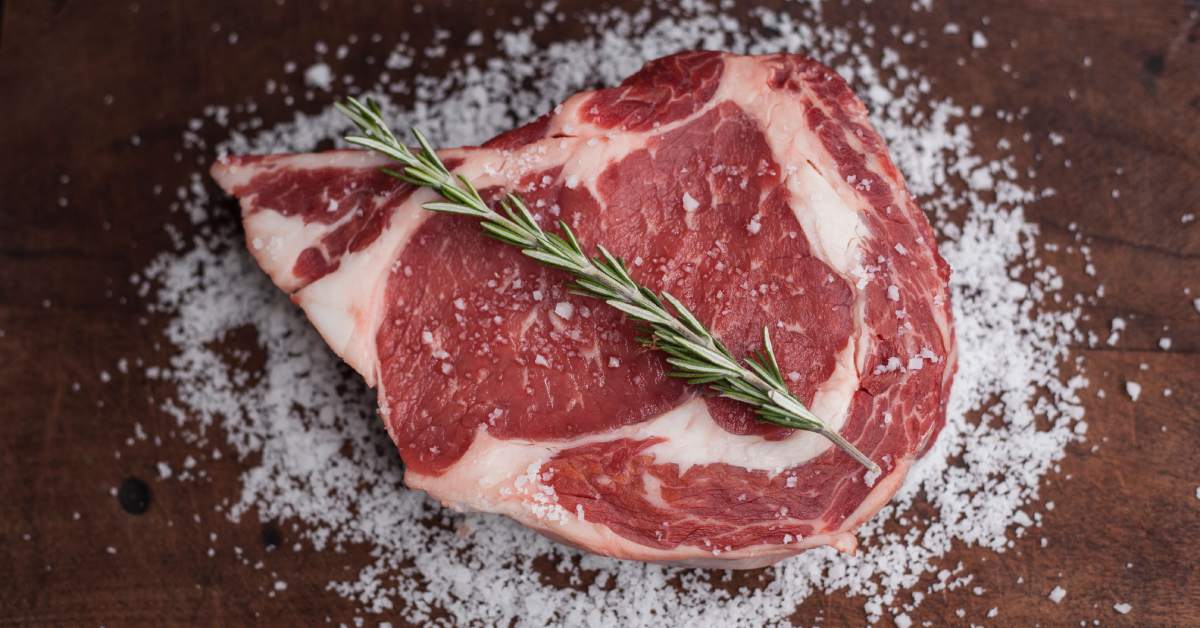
(696, 354)
(850, 449)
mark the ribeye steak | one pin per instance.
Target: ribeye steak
(752, 188)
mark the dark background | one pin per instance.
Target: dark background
(67, 310)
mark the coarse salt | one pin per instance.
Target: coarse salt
(689, 204)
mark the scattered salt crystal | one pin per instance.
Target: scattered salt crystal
(978, 40)
(1164, 344)
(1122, 608)
(564, 310)
(614, 362)
(1133, 389)
(870, 477)
(319, 75)
(1116, 326)
(1057, 594)
(541, 360)
(164, 470)
(903, 620)
(754, 226)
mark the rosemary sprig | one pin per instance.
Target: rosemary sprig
(696, 356)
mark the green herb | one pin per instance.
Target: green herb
(696, 356)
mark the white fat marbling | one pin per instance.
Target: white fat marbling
(347, 305)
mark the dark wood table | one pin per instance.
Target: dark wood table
(67, 310)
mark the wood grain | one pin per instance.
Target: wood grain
(1126, 526)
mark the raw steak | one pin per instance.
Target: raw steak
(755, 190)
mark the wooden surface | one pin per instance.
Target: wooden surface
(1126, 527)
